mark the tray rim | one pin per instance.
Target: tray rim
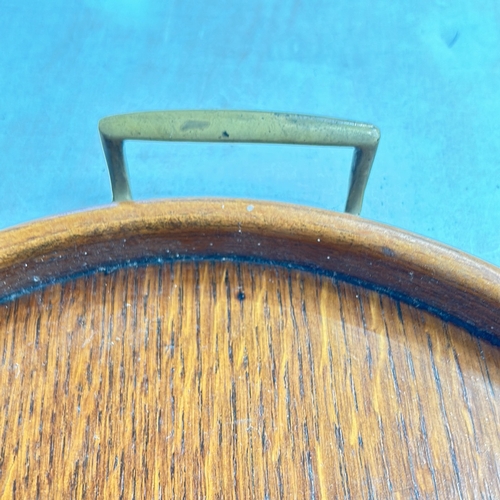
(419, 270)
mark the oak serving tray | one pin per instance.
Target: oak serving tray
(242, 349)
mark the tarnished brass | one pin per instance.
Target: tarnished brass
(239, 126)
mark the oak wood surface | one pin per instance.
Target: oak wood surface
(241, 349)
(232, 379)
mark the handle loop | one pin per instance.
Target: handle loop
(239, 126)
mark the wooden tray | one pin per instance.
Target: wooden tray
(241, 349)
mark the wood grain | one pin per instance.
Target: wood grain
(233, 379)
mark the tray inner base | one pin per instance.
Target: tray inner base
(219, 378)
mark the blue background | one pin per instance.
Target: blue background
(427, 73)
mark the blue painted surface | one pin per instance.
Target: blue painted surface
(426, 73)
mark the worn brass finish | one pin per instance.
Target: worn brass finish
(239, 126)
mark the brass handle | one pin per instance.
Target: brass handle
(239, 126)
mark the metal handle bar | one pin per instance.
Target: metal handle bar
(239, 126)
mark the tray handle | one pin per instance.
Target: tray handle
(239, 126)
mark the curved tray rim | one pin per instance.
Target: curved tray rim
(414, 268)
